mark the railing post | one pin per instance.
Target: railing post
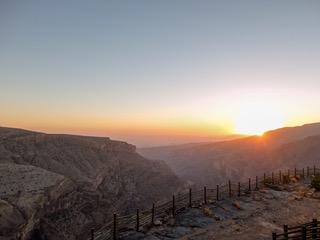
(304, 233)
(173, 206)
(152, 214)
(264, 179)
(92, 234)
(137, 221)
(280, 177)
(249, 185)
(314, 170)
(287, 180)
(272, 177)
(295, 172)
(190, 197)
(114, 226)
(314, 228)
(239, 190)
(285, 230)
(257, 182)
(205, 195)
(217, 192)
(274, 236)
(229, 184)
(302, 173)
(308, 171)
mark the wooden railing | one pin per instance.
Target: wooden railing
(310, 230)
(193, 198)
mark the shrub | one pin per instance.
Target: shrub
(316, 183)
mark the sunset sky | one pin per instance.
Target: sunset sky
(157, 72)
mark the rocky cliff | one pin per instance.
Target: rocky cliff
(58, 186)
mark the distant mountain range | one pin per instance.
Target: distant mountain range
(59, 186)
(212, 163)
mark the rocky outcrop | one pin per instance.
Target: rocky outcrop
(59, 186)
(18, 179)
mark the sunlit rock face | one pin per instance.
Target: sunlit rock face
(59, 186)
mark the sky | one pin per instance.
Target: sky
(159, 72)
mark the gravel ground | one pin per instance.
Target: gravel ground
(253, 216)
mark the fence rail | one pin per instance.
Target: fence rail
(192, 197)
(310, 230)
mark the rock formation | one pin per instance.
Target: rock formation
(59, 186)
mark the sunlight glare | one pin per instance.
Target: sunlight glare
(257, 118)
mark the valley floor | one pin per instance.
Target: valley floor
(253, 216)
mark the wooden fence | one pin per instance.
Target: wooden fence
(310, 230)
(192, 198)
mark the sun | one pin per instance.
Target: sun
(255, 118)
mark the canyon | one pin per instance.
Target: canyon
(56, 186)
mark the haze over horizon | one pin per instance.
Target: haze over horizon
(159, 72)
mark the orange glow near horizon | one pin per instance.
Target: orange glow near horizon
(247, 118)
(250, 112)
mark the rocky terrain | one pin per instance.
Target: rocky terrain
(58, 186)
(252, 216)
(213, 163)
(55, 186)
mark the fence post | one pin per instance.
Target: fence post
(304, 233)
(190, 197)
(249, 185)
(285, 230)
(314, 170)
(280, 177)
(152, 214)
(217, 192)
(257, 186)
(229, 183)
(205, 195)
(137, 221)
(295, 172)
(288, 173)
(239, 190)
(173, 206)
(314, 228)
(92, 234)
(272, 177)
(308, 171)
(302, 173)
(114, 226)
(274, 236)
(264, 179)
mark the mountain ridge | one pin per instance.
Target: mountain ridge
(234, 159)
